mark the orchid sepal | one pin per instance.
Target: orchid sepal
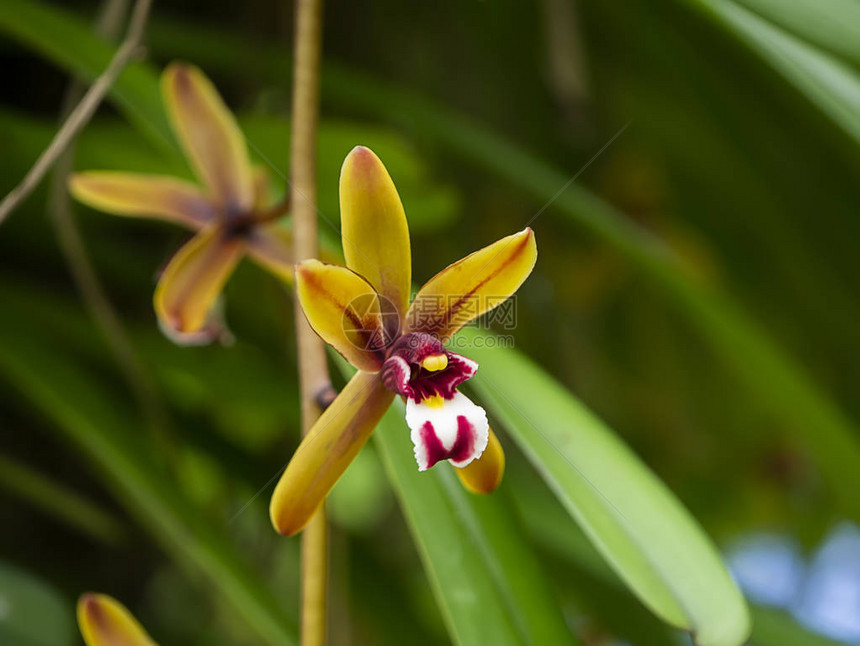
(472, 286)
(327, 450)
(104, 621)
(483, 475)
(374, 231)
(210, 137)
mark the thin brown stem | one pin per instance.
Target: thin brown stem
(313, 369)
(83, 112)
(71, 243)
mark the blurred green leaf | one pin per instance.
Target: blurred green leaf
(59, 501)
(830, 84)
(833, 25)
(485, 578)
(31, 612)
(775, 628)
(435, 205)
(362, 497)
(77, 404)
(634, 520)
(556, 532)
(69, 41)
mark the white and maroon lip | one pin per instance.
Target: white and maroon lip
(453, 429)
(402, 371)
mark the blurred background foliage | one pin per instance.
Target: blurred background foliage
(705, 305)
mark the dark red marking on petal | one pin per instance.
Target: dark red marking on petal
(396, 373)
(402, 372)
(97, 614)
(462, 448)
(440, 323)
(372, 338)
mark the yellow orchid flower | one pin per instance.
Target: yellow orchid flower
(363, 311)
(230, 213)
(104, 621)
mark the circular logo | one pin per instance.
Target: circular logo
(371, 322)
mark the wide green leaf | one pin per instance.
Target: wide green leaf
(832, 25)
(832, 85)
(776, 628)
(633, 519)
(557, 533)
(485, 577)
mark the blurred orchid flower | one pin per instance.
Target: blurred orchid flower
(104, 621)
(363, 311)
(231, 212)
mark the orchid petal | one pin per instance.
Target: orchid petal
(271, 246)
(344, 310)
(327, 450)
(213, 330)
(472, 286)
(194, 278)
(104, 621)
(485, 474)
(210, 137)
(453, 429)
(374, 232)
(138, 195)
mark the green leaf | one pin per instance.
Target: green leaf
(484, 575)
(634, 520)
(435, 205)
(830, 84)
(76, 404)
(67, 40)
(556, 532)
(59, 501)
(776, 628)
(32, 613)
(832, 25)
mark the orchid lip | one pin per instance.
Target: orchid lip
(453, 429)
(418, 367)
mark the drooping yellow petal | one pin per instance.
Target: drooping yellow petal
(104, 621)
(472, 286)
(374, 232)
(193, 279)
(271, 245)
(154, 196)
(327, 451)
(210, 137)
(345, 311)
(485, 474)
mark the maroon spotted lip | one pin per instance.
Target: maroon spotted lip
(402, 371)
